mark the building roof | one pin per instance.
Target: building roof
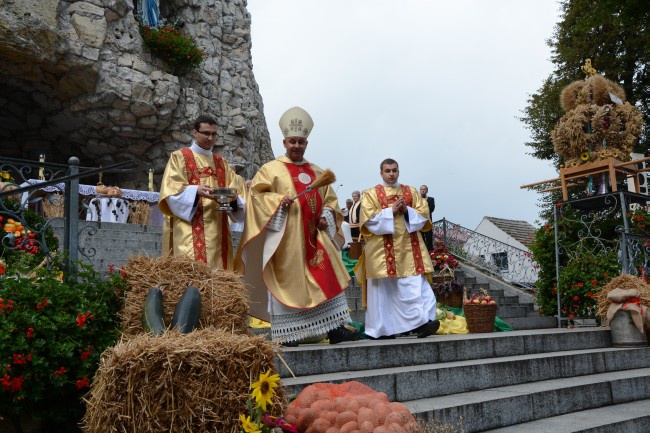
(520, 230)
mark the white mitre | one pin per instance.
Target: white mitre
(296, 122)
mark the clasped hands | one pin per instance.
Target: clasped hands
(399, 207)
(286, 203)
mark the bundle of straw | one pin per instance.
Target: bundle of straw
(196, 382)
(139, 212)
(327, 177)
(622, 282)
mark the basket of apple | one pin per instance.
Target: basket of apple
(480, 312)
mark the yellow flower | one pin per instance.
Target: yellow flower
(248, 425)
(603, 154)
(584, 156)
(264, 389)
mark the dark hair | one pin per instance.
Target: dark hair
(204, 118)
(387, 161)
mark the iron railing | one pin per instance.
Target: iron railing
(492, 256)
(30, 178)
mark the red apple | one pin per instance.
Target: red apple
(492, 302)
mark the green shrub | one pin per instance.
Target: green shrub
(51, 337)
(179, 51)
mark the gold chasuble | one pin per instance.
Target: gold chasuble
(401, 254)
(207, 237)
(298, 264)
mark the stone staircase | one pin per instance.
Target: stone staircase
(528, 380)
(551, 380)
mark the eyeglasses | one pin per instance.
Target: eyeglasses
(208, 134)
(300, 141)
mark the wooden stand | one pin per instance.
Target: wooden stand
(611, 166)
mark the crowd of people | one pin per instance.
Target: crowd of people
(289, 253)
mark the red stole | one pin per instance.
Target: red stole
(389, 246)
(194, 176)
(311, 207)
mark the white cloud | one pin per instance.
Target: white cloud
(436, 85)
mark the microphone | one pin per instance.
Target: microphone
(337, 188)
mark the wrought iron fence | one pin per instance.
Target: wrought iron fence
(24, 184)
(494, 257)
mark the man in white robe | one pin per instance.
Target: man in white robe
(394, 262)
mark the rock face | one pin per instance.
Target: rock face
(78, 80)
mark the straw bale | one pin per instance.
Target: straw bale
(196, 382)
(224, 299)
(622, 282)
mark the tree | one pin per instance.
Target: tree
(613, 33)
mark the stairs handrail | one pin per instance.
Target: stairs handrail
(510, 263)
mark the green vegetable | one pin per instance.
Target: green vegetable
(188, 311)
(152, 313)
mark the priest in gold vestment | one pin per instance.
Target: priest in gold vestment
(394, 263)
(287, 253)
(193, 226)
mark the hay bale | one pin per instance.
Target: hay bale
(622, 282)
(224, 299)
(196, 382)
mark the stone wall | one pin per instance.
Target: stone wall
(76, 79)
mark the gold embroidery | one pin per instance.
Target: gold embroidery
(312, 203)
(317, 260)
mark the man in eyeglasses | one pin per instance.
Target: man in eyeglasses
(193, 224)
(287, 253)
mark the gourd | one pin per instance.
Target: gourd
(152, 313)
(188, 311)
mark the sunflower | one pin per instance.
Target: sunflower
(603, 154)
(248, 425)
(264, 389)
(584, 156)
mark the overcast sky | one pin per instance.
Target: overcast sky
(436, 85)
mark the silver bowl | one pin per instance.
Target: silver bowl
(224, 196)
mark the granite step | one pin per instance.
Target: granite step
(434, 380)
(509, 405)
(315, 359)
(632, 417)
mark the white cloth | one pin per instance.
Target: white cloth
(108, 209)
(347, 234)
(397, 305)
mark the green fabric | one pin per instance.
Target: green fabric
(348, 262)
(499, 325)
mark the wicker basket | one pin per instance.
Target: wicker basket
(480, 317)
(453, 300)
